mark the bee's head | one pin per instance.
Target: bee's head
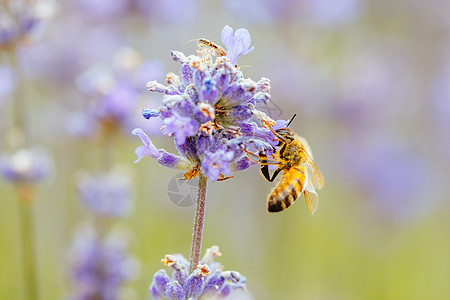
(286, 132)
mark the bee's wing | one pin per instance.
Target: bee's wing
(309, 191)
(315, 176)
(311, 198)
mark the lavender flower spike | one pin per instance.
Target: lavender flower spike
(207, 281)
(237, 44)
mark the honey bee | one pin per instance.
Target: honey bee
(301, 174)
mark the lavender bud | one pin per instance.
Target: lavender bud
(263, 85)
(160, 280)
(242, 164)
(186, 74)
(150, 113)
(223, 79)
(174, 291)
(178, 56)
(248, 129)
(210, 254)
(188, 150)
(173, 161)
(214, 284)
(154, 86)
(261, 97)
(156, 293)
(191, 93)
(194, 283)
(173, 80)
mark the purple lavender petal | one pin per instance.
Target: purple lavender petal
(238, 92)
(208, 91)
(180, 127)
(280, 124)
(216, 163)
(148, 148)
(236, 45)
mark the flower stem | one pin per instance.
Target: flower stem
(198, 223)
(27, 244)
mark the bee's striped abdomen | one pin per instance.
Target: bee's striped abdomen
(287, 191)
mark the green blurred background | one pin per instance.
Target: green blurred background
(370, 83)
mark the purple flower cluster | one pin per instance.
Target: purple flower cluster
(205, 282)
(107, 195)
(211, 111)
(99, 265)
(26, 165)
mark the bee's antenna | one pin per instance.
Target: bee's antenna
(290, 121)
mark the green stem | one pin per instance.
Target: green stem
(27, 249)
(20, 105)
(198, 223)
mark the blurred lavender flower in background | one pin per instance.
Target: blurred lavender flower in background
(398, 180)
(102, 9)
(207, 281)
(26, 165)
(19, 19)
(168, 11)
(210, 110)
(317, 12)
(329, 12)
(114, 93)
(107, 195)
(100, 265)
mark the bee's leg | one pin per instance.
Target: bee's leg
(281, 138)
(252, 156)
(266, 174)
(264, 162)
